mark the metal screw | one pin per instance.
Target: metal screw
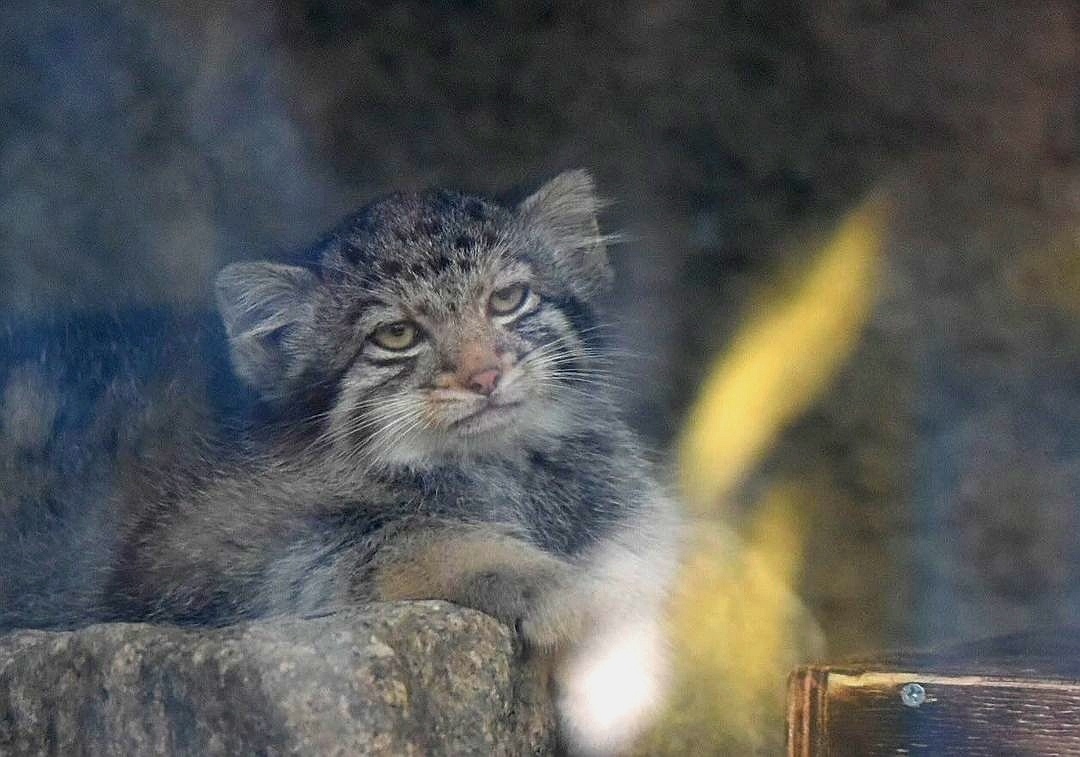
(912, 694)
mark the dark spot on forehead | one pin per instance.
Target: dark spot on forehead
(361, 223)
(463, 242)
(431, 227)
(475, 209)
(444, 200)
(352, 252)
(390, 268)
(442, 263)
(418, 269)
(489, 238)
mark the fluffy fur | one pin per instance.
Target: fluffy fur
(437, 422)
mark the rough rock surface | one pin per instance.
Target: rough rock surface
(393, 679)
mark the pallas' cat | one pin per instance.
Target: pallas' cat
(431, 415)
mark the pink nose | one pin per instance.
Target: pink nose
(484, 382)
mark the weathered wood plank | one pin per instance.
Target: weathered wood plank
(1013, 696)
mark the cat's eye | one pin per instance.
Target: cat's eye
(399, 335)
(508, 299)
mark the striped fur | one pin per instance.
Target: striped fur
(383, 473)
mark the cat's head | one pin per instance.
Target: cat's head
(435, 325)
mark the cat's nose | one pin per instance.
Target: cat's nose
(485, 381)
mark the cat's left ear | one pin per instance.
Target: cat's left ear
(564, 212)
(267, 310)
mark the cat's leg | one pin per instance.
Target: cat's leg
(602, 615)
(612, 682)
(485, 568)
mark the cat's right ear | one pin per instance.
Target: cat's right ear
(564, 212)
(267, 310)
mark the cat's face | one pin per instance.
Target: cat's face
(448, 326)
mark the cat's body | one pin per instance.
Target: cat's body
(438, 424)
(93, 407)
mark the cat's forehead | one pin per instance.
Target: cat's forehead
(430, 250)
(421, 235)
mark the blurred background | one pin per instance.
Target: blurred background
(852, 278)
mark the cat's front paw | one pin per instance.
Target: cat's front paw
(527, 602)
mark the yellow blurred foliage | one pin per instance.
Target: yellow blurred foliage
(737, 626)
(737, 630)
(780, 361)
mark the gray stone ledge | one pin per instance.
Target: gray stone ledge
(412, 678)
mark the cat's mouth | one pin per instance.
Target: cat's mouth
(489, 415)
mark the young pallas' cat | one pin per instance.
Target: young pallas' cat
(440, 425)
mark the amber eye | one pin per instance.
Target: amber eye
(508, 299)
(400, 335)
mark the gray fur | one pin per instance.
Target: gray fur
(386, 477)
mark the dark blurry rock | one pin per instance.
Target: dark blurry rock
(393, 679)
